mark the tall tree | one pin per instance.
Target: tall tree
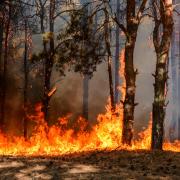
(25, 79)
(86, 78)
(49, 61)
(109, 55)
(133, 19)
(4, 75)
(174, 60)
(117, 52)
(1, 46)
(162, 38)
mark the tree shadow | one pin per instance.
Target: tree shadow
(93, 165)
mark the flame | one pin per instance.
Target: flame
(60, 139)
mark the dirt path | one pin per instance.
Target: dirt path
(94, 165)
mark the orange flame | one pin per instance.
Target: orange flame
(59, 139)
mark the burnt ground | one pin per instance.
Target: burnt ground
(94, 165)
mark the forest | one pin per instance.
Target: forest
(89, 89)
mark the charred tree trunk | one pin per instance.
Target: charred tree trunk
(130, 74)
(1, 63)
(117, 51)
(49, 61)
(46, 60)
(161, 74)
(1, 44)
(4, 76)
(111, 83)
(133, 20)
(86, 96)
(25, 121)
(109, 61)
(129, 102)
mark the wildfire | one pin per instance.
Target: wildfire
(61, 139)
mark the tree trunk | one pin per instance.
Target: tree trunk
(130, 74)
(111, 84)
(178, 104)
(177, 45)
(4, 78)
(25, 121)
(161, 73)
(174, 79)
(159, 101)
(117, 52)
(129, 102)
(49, 61)
(108, 49)
(1, 63)
(86, 96)
(1, 44)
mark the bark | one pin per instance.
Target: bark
(130, 74)
(161, 73)
(111, 84)
(117, 64)
(1, 53)
(25, 120)
(49, 61)
(129, 102)
(86, 96)
(108, 48)
(4, 78)
(1, 44)
(132, 23)
(178, 101)
(177, 28)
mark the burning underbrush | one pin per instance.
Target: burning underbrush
(59, 139)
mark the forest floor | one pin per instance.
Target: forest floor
(94, 165)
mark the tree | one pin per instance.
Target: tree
(1, 46)
(81, 47)
(117, 52)
(163, 19)
(5, 58)
(86, 78)
(109, 56)
(133, 19)
(49, 60)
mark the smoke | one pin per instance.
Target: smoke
(68, 97)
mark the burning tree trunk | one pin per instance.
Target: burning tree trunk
(49, 61)
(132, 23)
(4, 76)
(25, 81)
(162, 45)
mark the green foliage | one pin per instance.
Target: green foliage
(80, 46)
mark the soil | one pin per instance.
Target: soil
(101, 165)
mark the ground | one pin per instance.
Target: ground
(94, 165)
